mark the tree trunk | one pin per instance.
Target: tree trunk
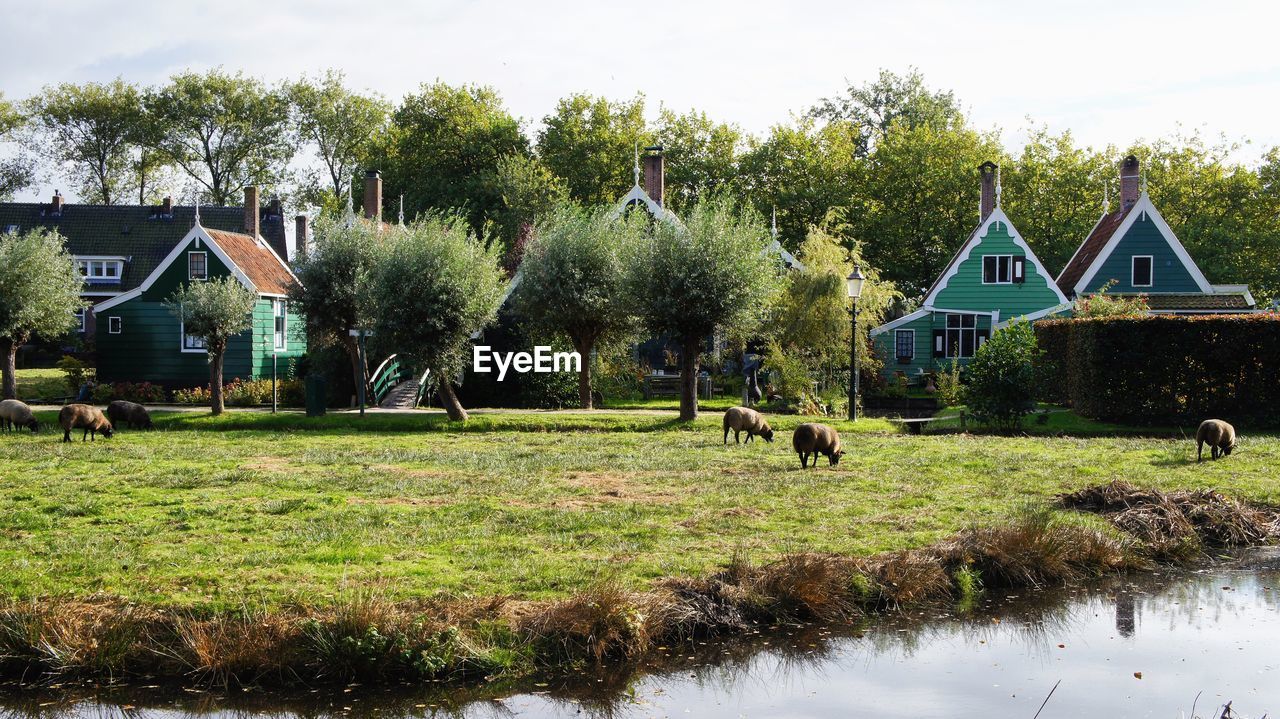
(452, 406)
(584, 375)
(10, 368)
(689, 351)
(359, 372)
(215, 380)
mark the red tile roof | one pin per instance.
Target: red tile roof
(256, 260)
(1088, 251)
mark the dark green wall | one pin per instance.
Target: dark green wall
(1144, 238)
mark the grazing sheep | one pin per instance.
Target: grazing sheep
(815, 439)
(16, 415)
(741, 419)
(135, 415)
(1220, 436)
(83, 416)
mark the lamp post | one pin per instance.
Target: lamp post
(853, 283)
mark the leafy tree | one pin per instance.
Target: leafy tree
(443, 150)
(216, 311)
(434, 287)
(91, 132)
(15, 172)
(339, 124)
(712, 273)
(1002, 377)
(226, 132)
(334, 291)
(39, 294)
(701, 156)
(571, 282)
(1101, 304)
(591, 142)
(892, 99)
(528, 193)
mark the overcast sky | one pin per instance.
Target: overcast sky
(1112, 72)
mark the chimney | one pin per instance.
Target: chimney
(56, 207)
(653, 173)
(300, 235)
(987, 171)
(373, 195)
(166, 209)
(251, 216)
(1129, 177)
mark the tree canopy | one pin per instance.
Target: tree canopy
(39, 293)
(214, 310)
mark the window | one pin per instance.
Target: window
(100, 270)
(11, 229)
(114, 325)
(997, 269)
(1141, 276)
(197, 266)
(191, 343)
(80, 313)
(904, 342)
(961, 335)
(280, 309)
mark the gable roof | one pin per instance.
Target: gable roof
(1088, 250)
(975, 238)
(141, 234)
(1141, 209)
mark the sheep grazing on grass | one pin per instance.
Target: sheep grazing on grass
(83, 416)
(1220, 436)
(742, 419)
(815, 439)
(15, 415)
(121, 412)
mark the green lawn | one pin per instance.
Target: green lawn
(254, 507)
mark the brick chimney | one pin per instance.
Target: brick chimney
(300, 235)
(1130, 175)
(654, 180)
(373, 195)
(987, 171)
(252, 218)
(56, 206)
(166, 208)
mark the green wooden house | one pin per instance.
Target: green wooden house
(139, 338)
(993, 279)
(1134, 252)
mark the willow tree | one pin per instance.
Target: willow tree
(39, 294)
(432, 289)
(571, 283)
(712, 273)
(214, 311)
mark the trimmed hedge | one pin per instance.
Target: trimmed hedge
(1165, 368)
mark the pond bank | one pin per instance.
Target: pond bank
(368, 639)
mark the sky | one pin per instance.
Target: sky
(1111, 72)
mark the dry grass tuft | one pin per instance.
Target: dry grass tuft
(606, 621)
(909, 578)
(237, 649)
(1036, 551)
(807, 586)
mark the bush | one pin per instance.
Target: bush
(76, 371)
(1101, 304)
(195, 395)
(1166, 369)
(140, 392)
(947, 382)
(1002, 377)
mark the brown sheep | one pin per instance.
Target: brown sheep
(121, 412)
(815, 439)
(742, 419)
(16, 415)
(86, 417)
(1220, 436)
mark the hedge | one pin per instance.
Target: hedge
(1164, 369)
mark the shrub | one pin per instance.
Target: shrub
(1147, 370)
(947, 382)
(76, 371)
(1101, 304)
(1002, 377)
(140, 392)
(195, 395)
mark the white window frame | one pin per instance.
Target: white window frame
(115, 325)
(960, 331)
(1133, 270)
(280, 314)
(897, 343)
(203, 254)
(81, 315)
(1008, 267)
(94, 269)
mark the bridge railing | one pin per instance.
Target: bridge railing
(388, 374)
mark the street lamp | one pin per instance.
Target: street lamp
(854, 284)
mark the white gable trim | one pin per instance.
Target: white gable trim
(1144, 206)
(1034, 315)
(787, 257)
(637, 194)
(975, 239)
(1079, 247)
(899, 322)
(196, 233)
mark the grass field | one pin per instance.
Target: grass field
(251, 507)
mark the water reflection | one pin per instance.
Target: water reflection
(1130, 647)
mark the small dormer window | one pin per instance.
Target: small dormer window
(101, 271)
(10, 229)
(197, 266)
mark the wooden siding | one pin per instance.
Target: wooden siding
(885, 349)
(1168, 274)
(965, 291)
